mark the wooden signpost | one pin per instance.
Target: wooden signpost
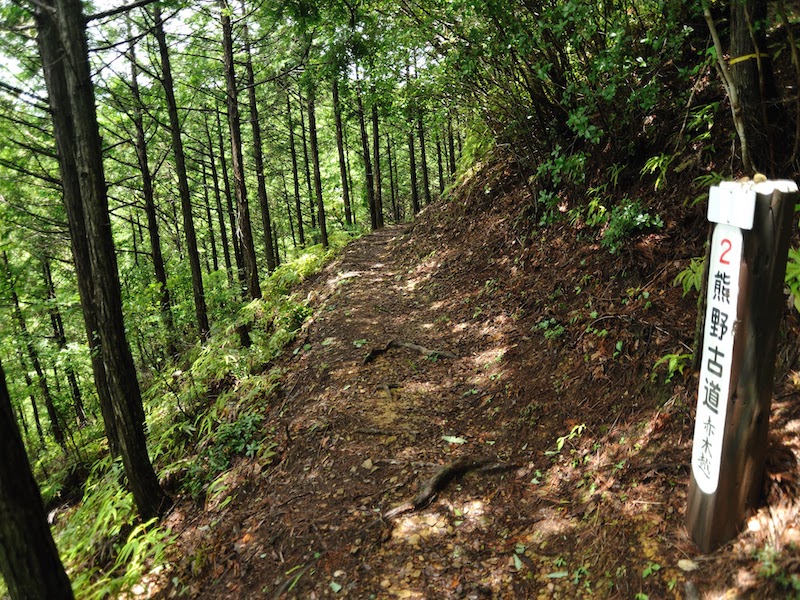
(744, 301)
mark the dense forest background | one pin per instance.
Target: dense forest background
(170, 170)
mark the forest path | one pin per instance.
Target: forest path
(390, 382)
(434, 349)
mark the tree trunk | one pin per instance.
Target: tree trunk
(412, 165)
(223, 231)
(751, 72)
(369, 181)
(209, 219)
(312, 132)
(244, 229)
(376, 165)
(295, 174)
(312, 209)
(288, 211)
(55, 421)
(64, 53)
(29, 385)
(349, 175)
(451, 148)
(24, 421)
(337, 112)
(439, 163)
(258, 154)
(237, 249)
(61, 339)
(51, 50)
(392, 181)
(426, 188)
(150, 207)
(29, 559)
(200, 311)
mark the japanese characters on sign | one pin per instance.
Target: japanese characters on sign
(715, 370)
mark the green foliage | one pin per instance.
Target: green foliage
(104, 547)
(220, 444)
(793, 276)
(596, 213)
(650, 569)
(575, 432)
(674, 364)
(691, 278)
(626, 219)
(562, 167)
(774, 566)
(551, 327)
(658, 165)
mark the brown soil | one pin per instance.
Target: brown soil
(542, 347)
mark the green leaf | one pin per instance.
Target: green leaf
(517, 563)
(557, 575)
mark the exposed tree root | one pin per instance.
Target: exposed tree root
(427, 352)
(442, 477)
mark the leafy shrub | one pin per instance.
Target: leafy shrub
(105, 550)
(223, 442)
(793, 276)
(691, 278)
(625, 219)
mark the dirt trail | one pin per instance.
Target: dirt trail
(586, 485)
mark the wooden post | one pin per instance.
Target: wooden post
(743, 306)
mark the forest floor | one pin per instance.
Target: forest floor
(473, 412)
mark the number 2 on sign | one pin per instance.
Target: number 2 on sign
(725, 243)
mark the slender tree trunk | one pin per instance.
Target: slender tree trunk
(244, 229)
(295, 173)
(29, 560)
(29, 386)
(307, 163)
(400, 214)
(258, 153)
(150, 207)
(426, 188)
(369, 178)
(376, 165)
(392, 182)
(451, 147)
(312, 132)
(349, 175)
(275, 240)
(64, 53)
(135, 243)
(55, 421)
(209, 218)
(439, 163)
(24, 421)
(61, 339)
(223, 232)
(337, 112)
(288, 211)
(237, 249)
(200, 311)
(412, 161)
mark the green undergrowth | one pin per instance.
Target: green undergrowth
(203, 415)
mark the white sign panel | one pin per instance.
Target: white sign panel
(715, 372)
(732, 203)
